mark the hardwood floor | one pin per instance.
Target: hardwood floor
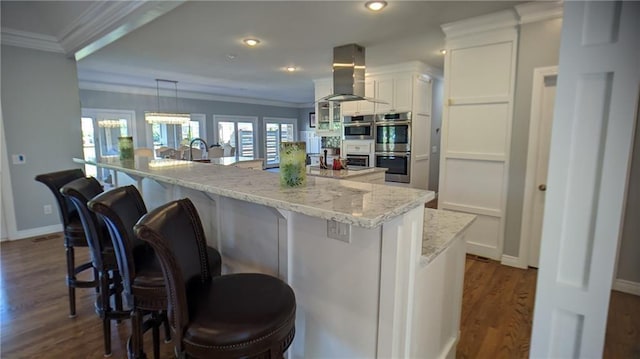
(34, 307)
(496, 313)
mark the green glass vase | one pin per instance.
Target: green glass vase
(293, 170)
(125, 146)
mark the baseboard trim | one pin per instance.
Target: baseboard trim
(35, 232)
(512, 261)
(626, 286)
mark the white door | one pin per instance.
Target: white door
(542, 103)
(595, 113)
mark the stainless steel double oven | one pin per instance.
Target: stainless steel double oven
(393, 145)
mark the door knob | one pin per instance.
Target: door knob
(542, 187)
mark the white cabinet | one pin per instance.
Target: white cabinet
(357, 108)
(357, 147)
(396, 90)
(328, 114)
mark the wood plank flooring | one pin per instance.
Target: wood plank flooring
(496, 313)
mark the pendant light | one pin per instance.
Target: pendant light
(167, 118)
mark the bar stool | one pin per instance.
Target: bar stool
(103, 257)
(142, 278)
(245, 315)
(73, 232)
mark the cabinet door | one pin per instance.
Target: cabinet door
(350, 108)
(402, 94)
(422, 96)
(384, 92)
(366, 107)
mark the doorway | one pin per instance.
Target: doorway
(541, 119)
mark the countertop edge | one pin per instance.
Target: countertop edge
(441, 244)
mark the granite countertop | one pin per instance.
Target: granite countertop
(342, 174)
(440, 229)
(226, 161)
(361, 204)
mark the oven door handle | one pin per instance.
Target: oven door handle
(394, 154)
(392, 123)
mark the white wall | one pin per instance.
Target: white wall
(41, 115)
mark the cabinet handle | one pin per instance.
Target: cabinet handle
(542, 187)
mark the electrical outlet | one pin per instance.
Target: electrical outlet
(48, 209)
(339, 231)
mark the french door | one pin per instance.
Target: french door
(100, 132)
(238, 132)
(277, 130)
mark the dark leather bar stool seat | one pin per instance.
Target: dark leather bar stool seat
(246, 315)
(143, 282)
(73, 232)
(103, 256)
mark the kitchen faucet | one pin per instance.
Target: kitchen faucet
(206, 148)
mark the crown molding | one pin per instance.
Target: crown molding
(139, 90)
(496, 21)
(94, 21)
(30, 40)
(106, 21)
(539, 11)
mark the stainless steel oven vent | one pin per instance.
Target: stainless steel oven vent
(348, 74)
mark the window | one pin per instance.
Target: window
(238, 132)
(175, 136)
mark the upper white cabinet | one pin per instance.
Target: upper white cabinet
(358, 108)
(396, 90)
(328, 117)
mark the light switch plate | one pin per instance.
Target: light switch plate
(339, 231)
(18, 159)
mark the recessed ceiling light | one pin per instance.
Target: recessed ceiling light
(443, 51)
(375, 5)
(291, 68)
(251, 42)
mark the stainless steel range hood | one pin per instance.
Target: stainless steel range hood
(348, 75)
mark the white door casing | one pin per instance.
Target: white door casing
(594, 118)
(542, 104)
(476, 126)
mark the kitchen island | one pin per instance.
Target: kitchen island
(351, 251)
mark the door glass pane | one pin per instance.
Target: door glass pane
(88, 145)
(226, 132)
(245, 138)
(286, 132)
(272, 142)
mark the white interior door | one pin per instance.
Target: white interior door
(542, 104)
(594, 118)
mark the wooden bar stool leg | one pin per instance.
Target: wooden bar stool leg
(71, 279)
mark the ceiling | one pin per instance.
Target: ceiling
(199, 43)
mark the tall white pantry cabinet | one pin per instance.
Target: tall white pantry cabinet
(479, 75)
